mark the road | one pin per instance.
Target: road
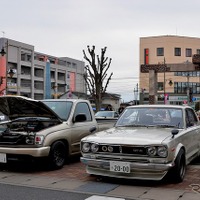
(13, 192)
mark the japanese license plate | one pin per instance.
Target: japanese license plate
(116, 166)
(3, 158)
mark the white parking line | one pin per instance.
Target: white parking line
(95, 197)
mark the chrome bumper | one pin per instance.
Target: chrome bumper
(143, 171)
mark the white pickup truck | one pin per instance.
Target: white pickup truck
(49, 129)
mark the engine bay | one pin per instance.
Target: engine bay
(21, 131)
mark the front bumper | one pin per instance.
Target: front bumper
(33, 152)
(140, 171)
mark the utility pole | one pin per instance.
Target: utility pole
(164, 83)
(188, 89)
(136, 93)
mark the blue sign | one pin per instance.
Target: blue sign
(194, 98)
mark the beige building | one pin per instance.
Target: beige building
(179, 86)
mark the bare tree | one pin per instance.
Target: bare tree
(96, 73)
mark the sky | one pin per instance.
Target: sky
(66, 27)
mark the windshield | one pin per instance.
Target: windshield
(61, 108)
(151, 116)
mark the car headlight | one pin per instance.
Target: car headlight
(151, 151)
(94, 147)
(110, 149)
(162, 151)
(39, 139)
(85, 147)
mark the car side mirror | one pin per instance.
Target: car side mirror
(80, 118)
(174, 132)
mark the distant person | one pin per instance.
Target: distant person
(121, 108)
(109, 107)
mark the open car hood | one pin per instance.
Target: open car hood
(15, 107)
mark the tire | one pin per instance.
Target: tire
(178, 172)
(57, 155)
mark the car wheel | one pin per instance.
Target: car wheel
(57, 155)
(178, 172)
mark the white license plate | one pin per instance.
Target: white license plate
(3, 158)
(116, 166)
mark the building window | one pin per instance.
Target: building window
(198, 51)
(160, 86)
(188, 52)
(181, 87)
(25, 56)
(160, 51)
(192, 74)
(53, 74)
(177, 51)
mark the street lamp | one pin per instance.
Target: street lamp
(2, 52)
(136, 93)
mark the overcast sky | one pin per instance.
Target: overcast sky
(65, 27)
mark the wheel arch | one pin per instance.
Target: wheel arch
(66, 143)
(179, 147)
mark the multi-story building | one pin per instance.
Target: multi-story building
(176, 51)
(37, 75)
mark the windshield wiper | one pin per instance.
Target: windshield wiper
(166, 125)
(135, 125)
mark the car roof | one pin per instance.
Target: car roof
(160, 106)
(64, 100)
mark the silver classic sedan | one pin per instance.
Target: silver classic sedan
(146, 143)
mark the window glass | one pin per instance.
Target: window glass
(160, 51)
(188, 52)
(62, 109)
(83, 108)
(160, 86)
(191, 118)
(153, 116)
(177, 51)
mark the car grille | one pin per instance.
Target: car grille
(12, 139)
(122, 149)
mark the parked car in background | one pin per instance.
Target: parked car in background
(106, 119)
(147, 143)
(106, 115)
